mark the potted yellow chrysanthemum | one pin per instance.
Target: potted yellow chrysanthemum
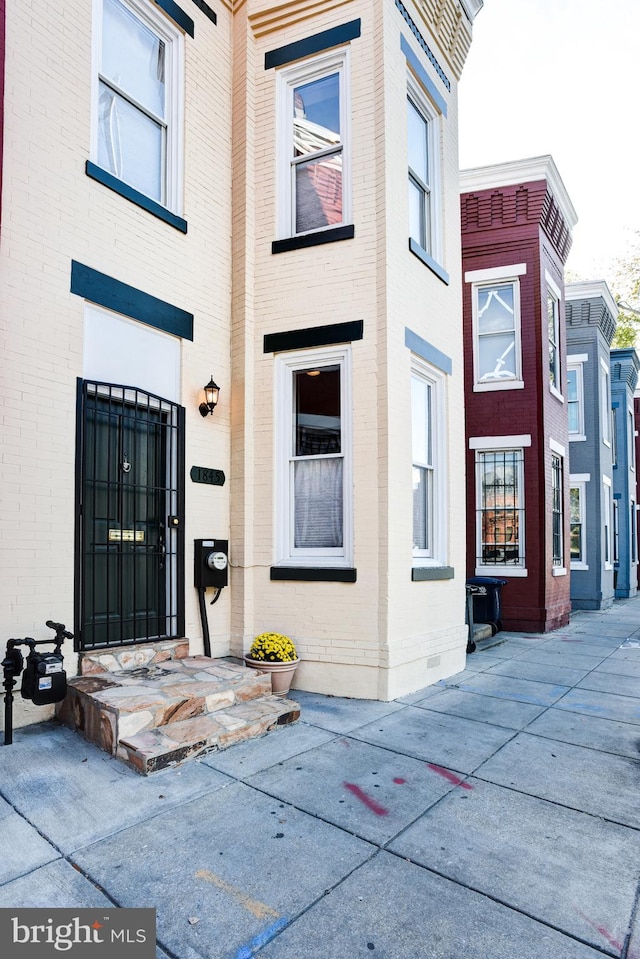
(276, 654)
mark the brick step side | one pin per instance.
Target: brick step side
(174, 743)
(107, 707)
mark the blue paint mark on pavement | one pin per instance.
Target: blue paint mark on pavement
(245, 952)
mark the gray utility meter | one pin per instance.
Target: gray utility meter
(211, 563)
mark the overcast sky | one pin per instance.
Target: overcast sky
(562, 77)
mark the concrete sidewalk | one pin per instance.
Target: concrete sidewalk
(496, 814)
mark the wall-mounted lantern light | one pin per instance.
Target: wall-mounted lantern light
(211, 393)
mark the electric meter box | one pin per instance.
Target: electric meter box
(211, 563)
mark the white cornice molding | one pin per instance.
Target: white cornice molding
(591, 290)
(521, 171)
(472, 8)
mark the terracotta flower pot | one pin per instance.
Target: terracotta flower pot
(281, 673)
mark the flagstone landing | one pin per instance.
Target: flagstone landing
(156, 706)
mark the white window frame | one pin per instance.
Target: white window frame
(287, 78)
(173, 123)
(605, 403)
(417, 96)
(579, 481)
(554, 296)
(558, 567)
(607, 524)
(480, 279)
(286, 553)
(491, 444)
(575, 363)
(436, 552)
(631, 429)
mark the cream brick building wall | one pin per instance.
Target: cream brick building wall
(383, 635)
(54, 214)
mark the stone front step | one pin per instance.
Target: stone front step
(116, 660)
(177, 742)
(111, 708)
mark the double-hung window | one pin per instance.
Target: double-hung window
(138, 94)
(313, 475)
(421, 161)
(607, 523)
(313, 145)
(578, 520)
(575, 396)
(423, 154)
(497, 352)
(557, 512)
(427, 432)
(500, 507)
(605, 403)
(553, 334)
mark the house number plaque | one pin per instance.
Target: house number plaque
(203, 474)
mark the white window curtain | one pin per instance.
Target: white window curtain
(318, 520)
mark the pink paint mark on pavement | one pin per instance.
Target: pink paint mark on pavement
(603, 932)
(368, 801)
(399, 781)
(451, 777)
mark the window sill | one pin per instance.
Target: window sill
(420, 574)
(502, 572)
(558, 571)
(314, 574)
(494, 385)
(134, 196)
(577, 438)
(428, 261)
(554, 392)
(313, 239)
(581, 567)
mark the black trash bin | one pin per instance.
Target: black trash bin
(487, 600)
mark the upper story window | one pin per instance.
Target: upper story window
(632, 439)
(313, 475)
(313, 145)
(424, 179)
(497, 350)
(553, 333)
(429, 485)
(138, 99)
(575, 396)
(605, 403)
(421, 173)
(554, 342)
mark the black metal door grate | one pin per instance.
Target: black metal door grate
(129, 538)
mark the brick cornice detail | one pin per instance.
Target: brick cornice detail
(278, 16)
(513, 206)
(449, 24)
(590, 312)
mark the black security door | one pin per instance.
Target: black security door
(130, 576)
